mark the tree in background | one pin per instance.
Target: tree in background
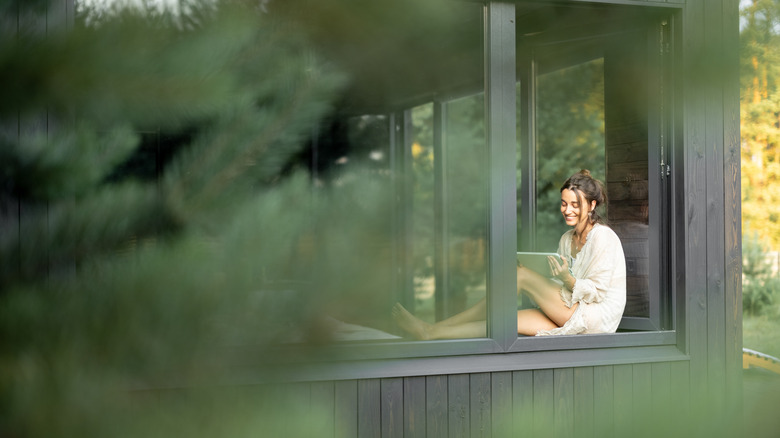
(760, 120)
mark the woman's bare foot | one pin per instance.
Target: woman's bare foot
(410, 323)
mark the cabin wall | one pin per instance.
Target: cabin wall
(643, 399)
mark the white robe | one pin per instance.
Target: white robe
(600, 287)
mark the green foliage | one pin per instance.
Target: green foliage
(761, 284)
(570, 130)
(116, 288)
(760, 110)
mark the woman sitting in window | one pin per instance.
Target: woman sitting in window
(586, 295)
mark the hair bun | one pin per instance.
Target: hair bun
(585, 172)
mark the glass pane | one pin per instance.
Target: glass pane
(570, 137)
(467, 204)
(423, 212)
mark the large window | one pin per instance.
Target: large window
(589, 88)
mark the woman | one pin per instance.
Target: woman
(587, 293)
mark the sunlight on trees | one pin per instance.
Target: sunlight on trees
(760, 120)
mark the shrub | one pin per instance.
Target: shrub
(760, 284)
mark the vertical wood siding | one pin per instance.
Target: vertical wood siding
(601, 401)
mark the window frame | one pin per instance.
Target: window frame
(665, 334)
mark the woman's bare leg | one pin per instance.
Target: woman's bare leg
(471, 323)
(530, 321)
(467, 324)
(546, 295)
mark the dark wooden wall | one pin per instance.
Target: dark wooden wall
(643, 399)
(599, 401)
(626, 144)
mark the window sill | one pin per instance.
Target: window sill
(403, 359)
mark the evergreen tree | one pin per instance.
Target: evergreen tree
(115, 286)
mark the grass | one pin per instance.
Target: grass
(762, 333)
(761, 388)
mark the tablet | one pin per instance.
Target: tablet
(537, 261)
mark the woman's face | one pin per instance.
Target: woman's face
(574, 208)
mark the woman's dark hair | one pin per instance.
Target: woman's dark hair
(590, 188)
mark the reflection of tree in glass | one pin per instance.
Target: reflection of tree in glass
(467, 200)
(422, 198)
(570, 137)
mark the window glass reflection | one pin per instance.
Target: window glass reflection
(570, 137)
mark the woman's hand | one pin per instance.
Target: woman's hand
(560, 270)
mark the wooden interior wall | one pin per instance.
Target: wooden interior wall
(626, 143)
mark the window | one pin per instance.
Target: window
(588, 89)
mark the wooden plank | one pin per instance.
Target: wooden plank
(643, 396)
(414, 407)
(436, 406)
(624, 400)
(501, 404)
(563, 389)
(369, 408)
(661, 400)
(346, 408)
(680, 400)
(716, 303)
(523, 403)
(322, 415)
(695, 212)
(584, 402)
(544, 404)
(479, 391)
(628, 190)
(458, 405)
(392, 407)
(732, 206)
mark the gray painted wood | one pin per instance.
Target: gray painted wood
(544, 405)
(414, 407)
(480, 405)
(695, 214)
(501, 404)
(584, 402)
(680, 401)
(624, 400)
(563, 390)
(369, 408)
(603, 401)
(732, 200)
(523, 403)
(392, 407)
(642, 387)
(436, 406)
(346, 407)
(716, 303)
(459, 405)
(661, 398)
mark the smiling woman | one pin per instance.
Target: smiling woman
(587, 293)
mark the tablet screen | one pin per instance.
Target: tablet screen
(537, 261)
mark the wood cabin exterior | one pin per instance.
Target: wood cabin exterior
(671, 153)
(670, 157)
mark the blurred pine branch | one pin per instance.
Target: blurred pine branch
(114, 285)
